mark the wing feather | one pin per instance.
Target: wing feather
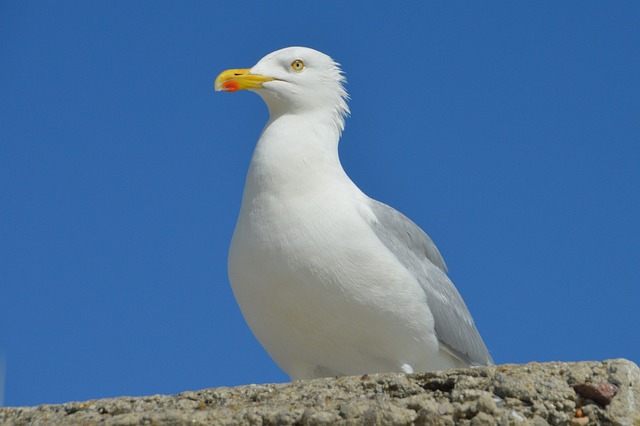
(417, 252)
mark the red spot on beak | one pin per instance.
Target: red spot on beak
(230, 86)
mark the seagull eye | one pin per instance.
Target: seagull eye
(297, 65)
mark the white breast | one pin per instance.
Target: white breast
(319, 290)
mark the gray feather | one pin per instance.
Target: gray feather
(415, 250)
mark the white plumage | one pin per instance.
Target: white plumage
(330, 281)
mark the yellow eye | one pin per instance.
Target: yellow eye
(297, 65)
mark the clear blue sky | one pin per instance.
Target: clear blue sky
(509, 131)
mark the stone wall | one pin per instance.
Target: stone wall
(583, 393)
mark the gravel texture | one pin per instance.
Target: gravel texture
(556, 393)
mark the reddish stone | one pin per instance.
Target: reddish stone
(601, 393)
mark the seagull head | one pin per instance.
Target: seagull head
(294, 80)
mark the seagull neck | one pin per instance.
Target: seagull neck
(297, 149)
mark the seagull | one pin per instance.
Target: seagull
(330, 281)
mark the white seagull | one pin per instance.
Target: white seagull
(330, 281)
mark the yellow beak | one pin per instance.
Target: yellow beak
(232, 80)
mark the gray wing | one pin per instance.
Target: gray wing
(415, 250)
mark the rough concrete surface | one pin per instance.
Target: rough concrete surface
(556, 393)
